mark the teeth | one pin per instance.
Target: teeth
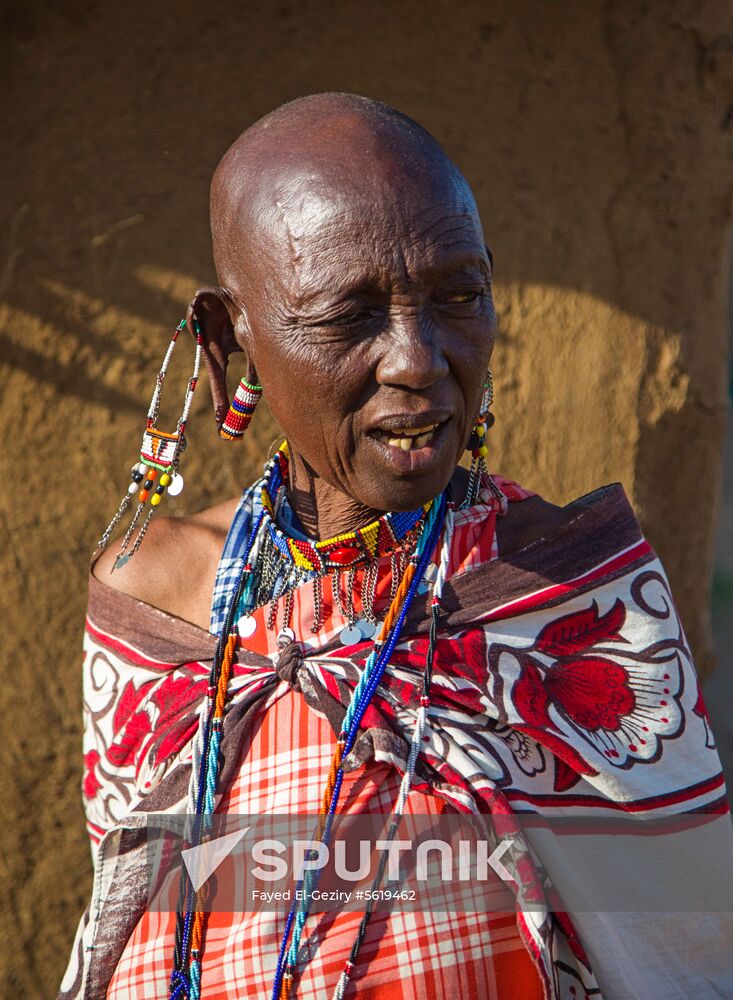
(414, 437)
(405, 443)
(414, 431)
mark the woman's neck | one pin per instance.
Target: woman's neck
(322, 510)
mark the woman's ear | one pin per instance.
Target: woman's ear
(210, 311)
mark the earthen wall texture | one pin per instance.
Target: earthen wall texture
(598, 140)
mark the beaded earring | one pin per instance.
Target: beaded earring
(160, 454)
(241, 409)
(477, 441)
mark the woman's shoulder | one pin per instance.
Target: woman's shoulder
(528, 521)
(530, 517)
(175, 567)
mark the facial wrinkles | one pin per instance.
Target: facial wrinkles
(333, 267)
(328, 263)
(315, 244)
(323, 218)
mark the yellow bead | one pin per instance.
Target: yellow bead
(481, 430)
(155, 499)
(165, 479)
(483, 451)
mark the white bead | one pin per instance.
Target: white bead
(175, 486)
(133, 487)
(246, 626)
(142, 467)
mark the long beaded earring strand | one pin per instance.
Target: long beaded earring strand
(477, 442)
(160, 452)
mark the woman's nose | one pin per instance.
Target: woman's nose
(412, 354)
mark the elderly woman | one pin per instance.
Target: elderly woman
(370, 627)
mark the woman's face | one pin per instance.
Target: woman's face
(369, 317)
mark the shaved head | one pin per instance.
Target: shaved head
(354, 275)
(313, 151)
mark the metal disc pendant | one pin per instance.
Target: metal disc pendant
(284, 637)
(429, 576)
(350, 635)
(246, 626)
(366, 628)
(175, 486)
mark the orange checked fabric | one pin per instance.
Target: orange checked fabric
(405, 956)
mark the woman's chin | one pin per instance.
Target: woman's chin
(422, 456)
(405, 479)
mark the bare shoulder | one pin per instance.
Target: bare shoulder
(175, 567)
(528, 520)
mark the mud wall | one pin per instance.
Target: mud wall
(598, 140)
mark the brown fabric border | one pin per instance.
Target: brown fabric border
(605, 524)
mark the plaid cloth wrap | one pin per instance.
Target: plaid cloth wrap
(563, 683)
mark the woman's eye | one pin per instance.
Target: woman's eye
(462, 298)
(352, 319)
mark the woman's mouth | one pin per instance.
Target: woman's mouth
(407, 439)
(411, 450)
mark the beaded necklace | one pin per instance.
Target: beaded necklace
(185, 979)
(361, 698)
(284, 563)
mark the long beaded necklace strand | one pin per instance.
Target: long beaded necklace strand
(190, 917)
(205, 767)
(189, 922)
(421, 722)
(361, 698)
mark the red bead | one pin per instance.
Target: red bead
(344, 555)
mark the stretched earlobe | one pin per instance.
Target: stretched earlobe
(213, 310)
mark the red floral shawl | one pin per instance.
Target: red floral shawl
(563, 684)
